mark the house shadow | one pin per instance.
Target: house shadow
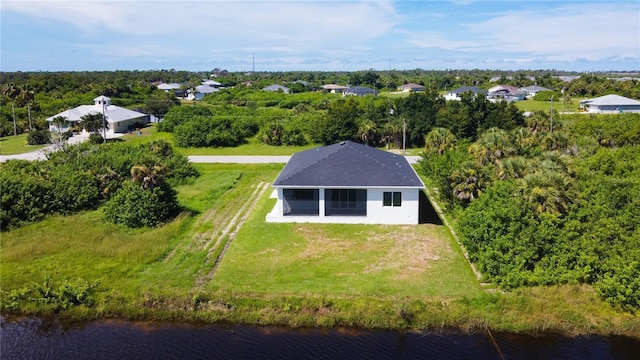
(426, 213)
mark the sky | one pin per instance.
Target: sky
(328, 35)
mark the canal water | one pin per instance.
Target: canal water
(33, 338)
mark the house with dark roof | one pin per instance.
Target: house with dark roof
(456, 94)
(506, 93)
(359, 91)
(347, 183)
(333, 88)
(277, 88)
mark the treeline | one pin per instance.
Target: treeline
(536, 207)
(28, 98)
(133, 184)
(232, 115)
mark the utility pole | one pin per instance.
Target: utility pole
(404, 135)
(104, 122)
(551, 115)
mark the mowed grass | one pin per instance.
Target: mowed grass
(545, 106)
(11, 145)
(336, 259)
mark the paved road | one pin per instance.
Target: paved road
(256, 159)
(240, 159)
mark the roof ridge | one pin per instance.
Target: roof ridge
(377, 161)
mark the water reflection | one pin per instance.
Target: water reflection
(33, 338)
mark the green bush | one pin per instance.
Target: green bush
(136, 207)
(38, 137)
(208, 132)
(178, 115)
(96, 139)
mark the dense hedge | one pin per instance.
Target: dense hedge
(552, 208)
(83, 177)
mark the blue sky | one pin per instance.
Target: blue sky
(319, 35)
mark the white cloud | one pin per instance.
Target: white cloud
(298, 22)
(582, 30)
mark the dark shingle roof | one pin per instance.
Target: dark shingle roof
(348, 164)
(465, 89)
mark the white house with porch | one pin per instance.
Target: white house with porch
(119, 119)
(347, 183)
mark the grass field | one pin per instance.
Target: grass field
(545, 106)
(11, 145)
(294, 274)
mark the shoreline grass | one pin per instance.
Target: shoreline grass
(299, 275)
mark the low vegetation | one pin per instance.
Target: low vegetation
(536, 207)
(82, 177)
(291, 274)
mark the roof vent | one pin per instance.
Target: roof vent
(343, 142)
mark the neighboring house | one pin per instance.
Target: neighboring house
(301, 82)
(200, 92)
(506, 93)
(276, 88)
(568, 78)
(169, 87)
(359, 91)
(211, 83)
(411, 87)
(347, 183)
(333, 88)
(119, 119)
(531, 91)
(457, 93)
(610, 104)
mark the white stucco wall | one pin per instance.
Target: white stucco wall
(408, 213)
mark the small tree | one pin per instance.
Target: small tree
(12, 91)
(93, 123)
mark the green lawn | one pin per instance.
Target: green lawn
(11, 145)
(545, 106)
(336, 259)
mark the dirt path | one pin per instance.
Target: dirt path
(227, 235)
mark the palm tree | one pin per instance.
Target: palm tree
(492, 146)
(537, 121)
(368, 131)
(26, 97)
(514, 167)
(12, 91)
(440, 140)
(524, 140)
(392, 132)
(59, 122)
(93, 122)
(556, 140)
(148, 176)
(546, 191)
(467, 182)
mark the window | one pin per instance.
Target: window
(304, 194)
(392, 198)
(343, 198)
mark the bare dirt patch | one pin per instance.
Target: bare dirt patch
(406, 250)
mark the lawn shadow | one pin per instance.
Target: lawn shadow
(426, 213)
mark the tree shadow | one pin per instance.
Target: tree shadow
(426, 213)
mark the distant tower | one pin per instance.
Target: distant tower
(253, 61)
